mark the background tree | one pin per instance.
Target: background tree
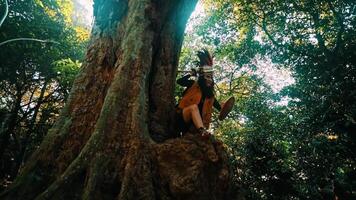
(101, 146)
(34, 83)
(315, 40)
(290, 143)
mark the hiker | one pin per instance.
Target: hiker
(196, 105)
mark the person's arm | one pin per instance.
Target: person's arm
(184, 81)
(217, 105)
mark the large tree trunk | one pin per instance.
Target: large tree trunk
(102, 147)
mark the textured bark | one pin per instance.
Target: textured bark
(104, 146)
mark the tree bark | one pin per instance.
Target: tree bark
(104, 146)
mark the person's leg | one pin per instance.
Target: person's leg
(191, 113)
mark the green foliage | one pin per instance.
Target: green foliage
(305, 149)
(66, 71)
(35, 77)
(302, 149)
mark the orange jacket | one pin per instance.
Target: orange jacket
(192, 96)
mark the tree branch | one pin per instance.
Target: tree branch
(5, 14)
(30, 100)
(28, 39)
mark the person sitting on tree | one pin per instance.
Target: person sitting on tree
(198, 99)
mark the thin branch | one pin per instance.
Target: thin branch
(5, 14)
(30, 100)
(270, 37)
(46, 99)
(350, 118)
(28, 39)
